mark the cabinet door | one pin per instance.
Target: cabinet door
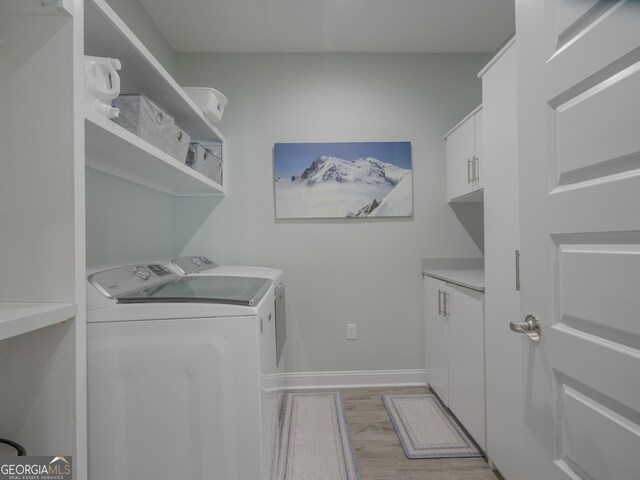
(466, 359)
(460, 149)
(436, 326)
(502, 302)
(479, 154)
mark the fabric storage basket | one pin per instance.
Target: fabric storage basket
(145, 119)
(215, 172)
(199, 159)
(179, 144)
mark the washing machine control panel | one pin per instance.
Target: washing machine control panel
(195, 264)
(120, 281)
(142, 272)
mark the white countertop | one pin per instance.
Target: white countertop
(473, 278)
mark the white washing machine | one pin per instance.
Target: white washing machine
(176, 375)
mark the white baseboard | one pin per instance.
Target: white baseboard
(358, 379)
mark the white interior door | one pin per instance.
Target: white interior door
(579, 151)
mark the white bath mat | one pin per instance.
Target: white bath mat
(426, 429)
(315, 443)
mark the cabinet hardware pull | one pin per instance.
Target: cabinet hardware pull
(469, 170)
(517, 270)
(445, 310)
(439, 302)
(476, 168)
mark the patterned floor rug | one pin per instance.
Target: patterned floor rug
(426, 429)
(315, 439)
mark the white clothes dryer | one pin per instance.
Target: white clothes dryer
(272, 364)
(175, 375)
(202, 266)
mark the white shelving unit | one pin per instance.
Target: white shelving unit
(116, 151)
(18, 318)
(48, 140)
(42, 299)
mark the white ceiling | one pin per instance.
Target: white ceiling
(333, 25)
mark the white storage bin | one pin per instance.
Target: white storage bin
(209, 100)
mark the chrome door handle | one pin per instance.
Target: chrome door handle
(439, 302)
(469, 170)
(530, 327)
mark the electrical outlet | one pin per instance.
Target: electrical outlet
(351, 331)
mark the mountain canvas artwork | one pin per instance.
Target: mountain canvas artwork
(343, 180)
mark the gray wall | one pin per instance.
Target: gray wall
(141, 24)
(127, 223)
(338, 271)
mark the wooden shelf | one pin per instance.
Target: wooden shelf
(18, 318)
(106, 35)
(116, 151)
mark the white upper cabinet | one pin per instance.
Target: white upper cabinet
(464, 157)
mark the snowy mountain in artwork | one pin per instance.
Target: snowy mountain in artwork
(333, 187)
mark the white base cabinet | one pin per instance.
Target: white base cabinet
(465, 314)
(436, 331)
(455, 353)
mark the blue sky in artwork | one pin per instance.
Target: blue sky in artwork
(294, 158)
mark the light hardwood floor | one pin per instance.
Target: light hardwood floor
(378, 450)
